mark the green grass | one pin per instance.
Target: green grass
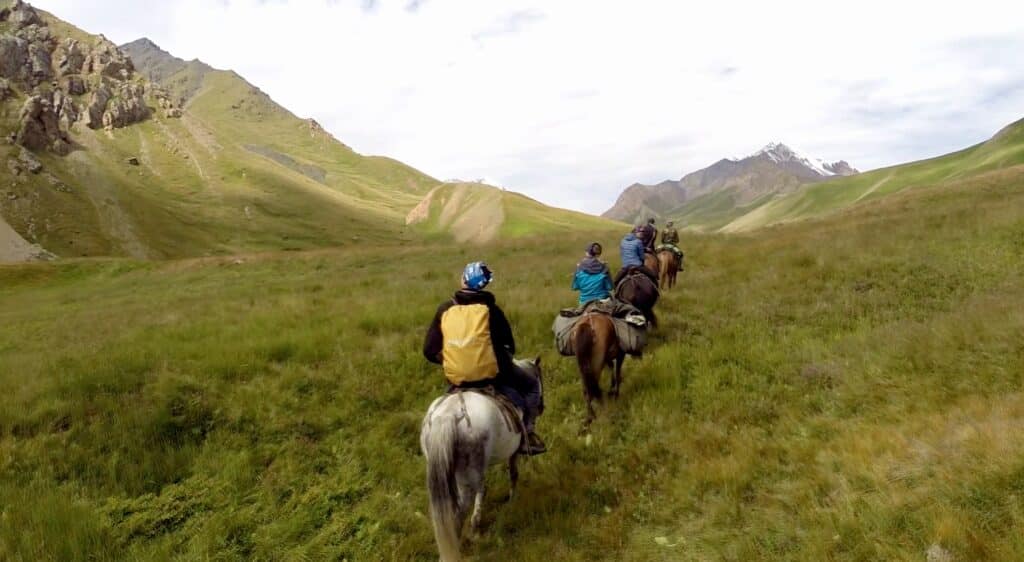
(841, 389)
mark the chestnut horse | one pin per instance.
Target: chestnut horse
(597, 346)
(651, 261)
(668, 264)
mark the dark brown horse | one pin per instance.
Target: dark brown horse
(641, 291)
(668, 264)
(597, 346)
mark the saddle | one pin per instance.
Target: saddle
(509, 411)
(633, 272)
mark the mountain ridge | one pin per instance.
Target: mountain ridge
(155, 159)
(774, 169)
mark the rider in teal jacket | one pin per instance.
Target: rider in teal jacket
(592, 278)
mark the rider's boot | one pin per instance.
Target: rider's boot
(533, 445)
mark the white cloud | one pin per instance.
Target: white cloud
(570, 101)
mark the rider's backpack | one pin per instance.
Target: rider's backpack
(468, 353)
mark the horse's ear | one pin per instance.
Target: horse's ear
(537, 361)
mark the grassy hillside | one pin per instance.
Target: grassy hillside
(479, 213)
(236, 173)
(848, 389)
(1005, 149)
(711, 212)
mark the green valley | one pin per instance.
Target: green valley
(843, 389)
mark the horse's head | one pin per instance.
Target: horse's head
(532, 368)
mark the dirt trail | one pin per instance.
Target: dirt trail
(202, 134)
(874, 187)
(183, 146)
(145, 156)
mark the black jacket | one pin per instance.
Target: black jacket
(649, 235)
(501, 331)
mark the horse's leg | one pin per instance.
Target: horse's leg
(617, 378)
(478, 506)
(513, 475)
(614, 368)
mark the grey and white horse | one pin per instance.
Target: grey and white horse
(461, 436)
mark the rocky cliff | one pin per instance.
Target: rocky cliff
(62, 81)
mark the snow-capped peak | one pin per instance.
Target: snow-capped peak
(778, 152)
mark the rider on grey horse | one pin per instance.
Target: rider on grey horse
(472, 339)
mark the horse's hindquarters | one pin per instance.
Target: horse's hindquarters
(481, 424)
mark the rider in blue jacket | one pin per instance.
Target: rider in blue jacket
(592, 278)
(631, 249)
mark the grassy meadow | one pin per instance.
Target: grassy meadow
(842, 389)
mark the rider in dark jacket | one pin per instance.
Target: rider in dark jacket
(510, 381)
(649, 235)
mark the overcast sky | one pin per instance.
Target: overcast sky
(571, 101)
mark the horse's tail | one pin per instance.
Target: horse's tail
(586, 348)
(664, 265)
(444, 496)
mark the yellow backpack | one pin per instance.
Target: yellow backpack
(468, 353)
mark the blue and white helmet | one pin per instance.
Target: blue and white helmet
(476, 276)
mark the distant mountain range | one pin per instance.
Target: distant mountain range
(737, 182)
(777, 185)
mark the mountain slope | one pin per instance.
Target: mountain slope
(200, 163)
(480, 213)
(729, 182)
(1003, 150)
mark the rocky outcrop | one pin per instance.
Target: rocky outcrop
(5, 89)
(66, 110)
(39, 122)
(57, 71)
(40, 64)
(108, 61)
(163, 99)
(128, 106)
(69, 57)
(14, 63)
(20, 14)
(73, 85)
(92, 117)
(842, 168)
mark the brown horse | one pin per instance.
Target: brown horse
(651, 261)
(597, 346)
(641, 291)
(668, 264)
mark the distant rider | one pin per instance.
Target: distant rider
(592, 278)
(670, 240)
(472, 339)
(631, 250)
